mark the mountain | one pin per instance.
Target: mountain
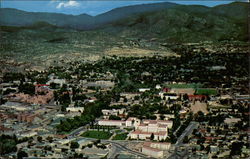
(123, 12)
(167, 22)
(187, 23)
(14, 17)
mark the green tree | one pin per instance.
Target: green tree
(27, 88)
(21, 154)
(152, 136)
(74, 145)
(39, 139)
(114, 117)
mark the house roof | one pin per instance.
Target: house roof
(40, 85)
(106, 120)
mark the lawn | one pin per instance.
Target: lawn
(97, 134)
(189, 85)
(122, 136)
(129, 129)
(206, 91)
(118, 131)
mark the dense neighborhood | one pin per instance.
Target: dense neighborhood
(194, 105)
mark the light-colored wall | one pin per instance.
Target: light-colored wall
(152, 153)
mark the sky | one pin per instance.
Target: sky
(90, 7)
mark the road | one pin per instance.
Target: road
(119, 147)
(78, 131)
(181, 153)
(186, 132)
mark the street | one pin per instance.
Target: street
(176, 153)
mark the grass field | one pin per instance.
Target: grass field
(97, 134)
(122, 136)
(206, 91)
(190, 85)
(129, 129)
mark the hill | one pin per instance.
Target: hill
(14, 17)
(191, 23)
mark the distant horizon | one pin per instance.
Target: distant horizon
(91, 8)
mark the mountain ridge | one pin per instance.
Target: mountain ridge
(11, 17)
(165, 21)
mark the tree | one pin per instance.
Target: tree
(186, 139)
(125, 100)
(200, 116)
(185, 97)
(162, 117)
(152, 136)
(48, 148)
(50, 139)
(27, 88)
(236, 148)
(21, 154)
(74, 145)
(114, 117)
(39, 139)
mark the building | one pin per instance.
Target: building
(106, 112)
(27, 134)
(197, 97)
(155, 149)
(158, 129)
(153, 152)
(232, 120)
(57, 81)
(118, 123)
(167, 96)
(101, 84)
(75, 109)
(130, 122)
(26, 117)
(142, 135)
(144, 89)
(130, 95)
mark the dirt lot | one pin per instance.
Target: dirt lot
(137, 52)
(198, 106)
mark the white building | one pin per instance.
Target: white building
(153, 152)
(168, 96)
(112, 122)
(28, 134)
(155, 149)
(116, 112)
(57, 81)
(157, 128)
(130, 122)
(144, 89)
(142, 135)
(75, 109)
(158, 86)
(130, 95)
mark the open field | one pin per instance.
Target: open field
(198, 106)
(122, 136)
(206, 91)
(190, 85)
(133, 51)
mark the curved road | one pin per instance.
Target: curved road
(124, 148)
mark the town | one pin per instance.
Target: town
(194, 105)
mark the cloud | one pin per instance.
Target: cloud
(68, 4)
